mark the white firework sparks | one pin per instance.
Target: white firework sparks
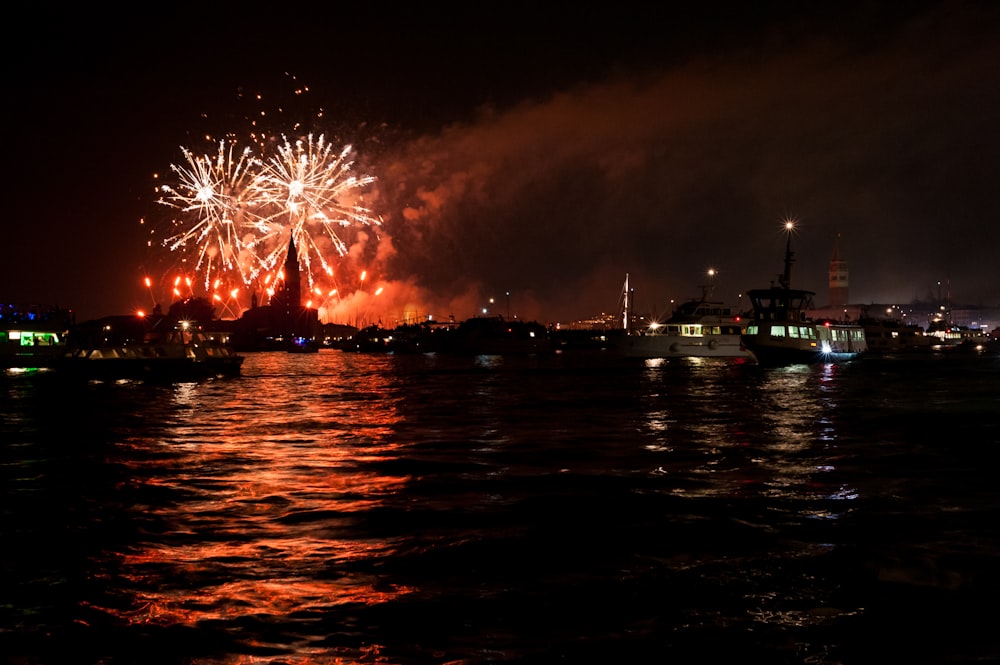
(217, 201)
(308, 188)
(238, 210)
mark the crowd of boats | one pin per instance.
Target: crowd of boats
(778, 329)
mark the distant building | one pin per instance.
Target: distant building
(839, 292)
(839, 307)
(284, 318)
(287, 298)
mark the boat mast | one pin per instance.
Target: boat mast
(708, 290)
(786, 279)
(626, 305)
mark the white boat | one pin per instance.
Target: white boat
(780, 331)
(700, 327)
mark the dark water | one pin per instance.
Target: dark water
(345, 508)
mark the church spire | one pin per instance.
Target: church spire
(293, 285)
(292, 260)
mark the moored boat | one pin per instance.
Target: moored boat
(495, 335)
(32, 336)
(780, 331)
(946, 336)
(180, 352)
(700, 327)
(890, 336)
(300, 344)
(408, 338)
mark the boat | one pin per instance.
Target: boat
(700, 327)
(300, 344)
(890, 336)
(119, 348)
(946, 336)
(32, 336)
(495, 335)
(403, 339)
(780, 332)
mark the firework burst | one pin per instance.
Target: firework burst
(217, 202)
(235, 213)
(308, 188)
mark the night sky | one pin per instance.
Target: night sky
(540, 152)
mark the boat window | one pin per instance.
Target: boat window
(777, 331)
(793, 332)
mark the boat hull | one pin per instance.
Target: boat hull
(770, 354)
(148, 369)
(32, 357)
(677, 346)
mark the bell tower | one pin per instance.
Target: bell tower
(838, 278)
(293, 282)
(289, 297)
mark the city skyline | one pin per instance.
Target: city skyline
(543, 159)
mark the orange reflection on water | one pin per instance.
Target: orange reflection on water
(256, 598)
(266, 501)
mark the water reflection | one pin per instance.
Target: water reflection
(800, 452)
(255, 511)
(782, 447)
(438, 509)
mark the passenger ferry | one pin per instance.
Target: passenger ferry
(780, 331)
